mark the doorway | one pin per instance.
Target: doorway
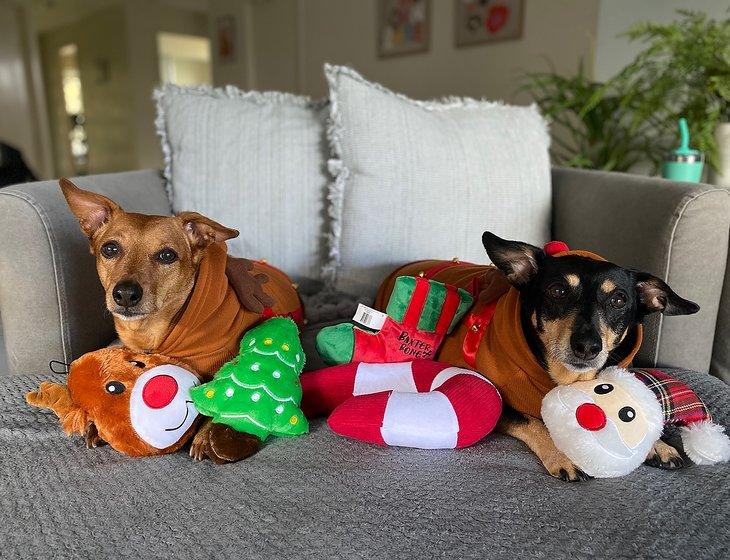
(184, 60)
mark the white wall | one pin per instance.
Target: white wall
(144, 20)
(275, 42)
(616, 16)
(344, 32)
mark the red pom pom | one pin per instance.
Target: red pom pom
(553, 247)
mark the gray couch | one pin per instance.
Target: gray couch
(323, 496)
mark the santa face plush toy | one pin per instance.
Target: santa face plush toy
(607, 426)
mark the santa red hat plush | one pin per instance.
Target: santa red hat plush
(421, 403)
(704, 441)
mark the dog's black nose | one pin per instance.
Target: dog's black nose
(586, 345)
(127, 294)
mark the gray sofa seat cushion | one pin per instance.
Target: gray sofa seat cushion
(321, 496)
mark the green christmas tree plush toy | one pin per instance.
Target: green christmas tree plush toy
(420, 312)
(258, 392)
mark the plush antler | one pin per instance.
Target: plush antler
(248, 286)
(57, 398)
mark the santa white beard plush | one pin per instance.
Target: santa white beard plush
(608, 425)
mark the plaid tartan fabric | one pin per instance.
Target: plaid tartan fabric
(680, 404)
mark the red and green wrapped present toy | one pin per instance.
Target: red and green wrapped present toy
(258, 392)
(420, 313)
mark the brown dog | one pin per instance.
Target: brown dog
(172, 290)
(543, 319)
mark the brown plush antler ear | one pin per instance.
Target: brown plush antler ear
(248, 286)
(202, 231)
(92, 210)
(57, 398)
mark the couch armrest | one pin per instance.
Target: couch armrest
(51, 301)
(720, 365)
(676, 231)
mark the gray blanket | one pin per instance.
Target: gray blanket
(321, 496)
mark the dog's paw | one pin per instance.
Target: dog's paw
(200, 443)
(563, 468)
(92, 437)
(664, 456)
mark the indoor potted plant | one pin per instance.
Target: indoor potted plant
(592, 123)
(683, 71)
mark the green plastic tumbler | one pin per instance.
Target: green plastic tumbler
(684, 163)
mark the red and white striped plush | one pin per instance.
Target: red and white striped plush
(422, 403)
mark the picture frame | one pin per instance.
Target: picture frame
(404, 27)
(479, 22)
(225, 39)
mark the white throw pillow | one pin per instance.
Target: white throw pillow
(415, 180)
(251, 161)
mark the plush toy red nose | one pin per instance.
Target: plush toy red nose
(590, 417)
(159, 391)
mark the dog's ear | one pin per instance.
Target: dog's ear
(518, 261)
(202, 231)
(656, 296)
(92, 210)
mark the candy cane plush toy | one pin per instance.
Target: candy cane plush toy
(421, 403)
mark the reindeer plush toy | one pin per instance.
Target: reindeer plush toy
(138, 403)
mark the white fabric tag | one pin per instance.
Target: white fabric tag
(369, 317)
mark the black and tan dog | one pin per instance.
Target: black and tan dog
(546, 318)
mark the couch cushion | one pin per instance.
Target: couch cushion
(416, 179)
(252, 161)
(322, 496)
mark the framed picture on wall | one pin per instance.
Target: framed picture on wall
(404, 27)
(225, 37)
(487, 21)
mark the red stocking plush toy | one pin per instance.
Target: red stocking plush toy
(420, 313)
(422, 403)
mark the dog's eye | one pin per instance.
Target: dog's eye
(557, 290)
(603, 388)
(111, 249)
(617, 300)
(137, 363)
(114, 387)
(627, 414)
(166, 256)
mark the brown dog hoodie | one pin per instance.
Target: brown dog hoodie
(212, 322)
(490, 338)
